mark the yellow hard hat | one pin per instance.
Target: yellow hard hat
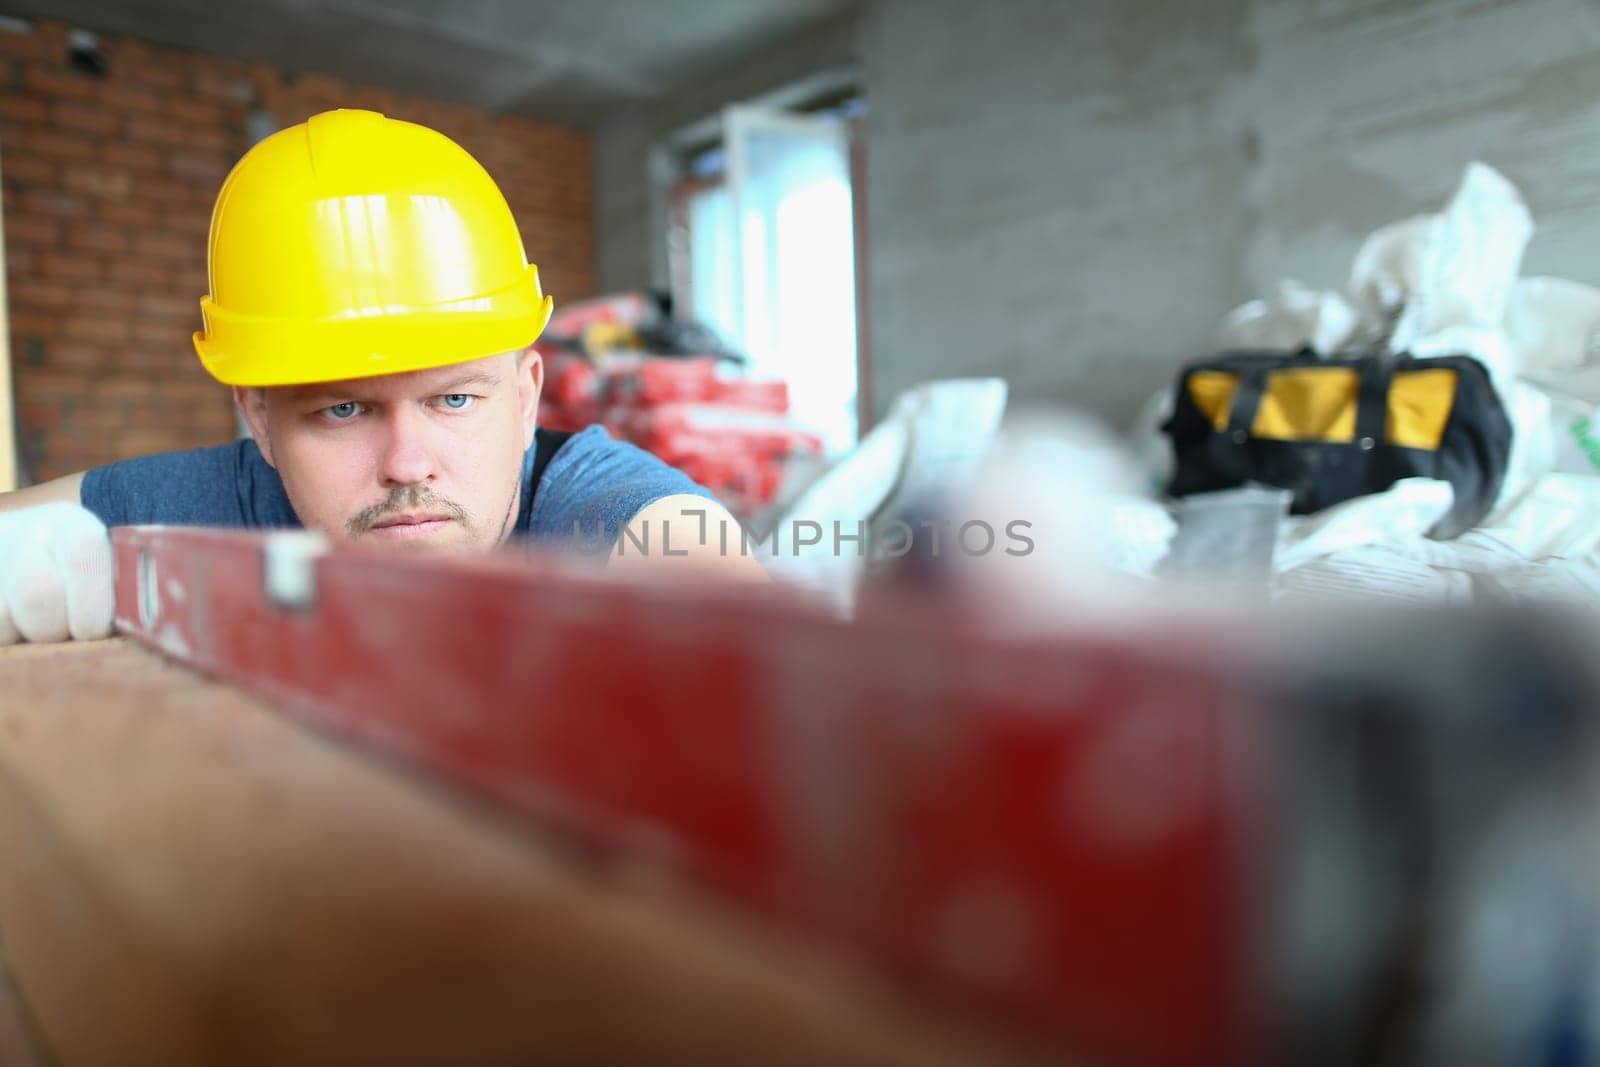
(354, 245)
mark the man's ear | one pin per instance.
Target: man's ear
(530, 383)
(252, 405)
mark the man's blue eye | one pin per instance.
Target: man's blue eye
(456, 401)
(343, 412)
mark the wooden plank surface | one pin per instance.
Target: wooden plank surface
(187, 877)
(8, 438)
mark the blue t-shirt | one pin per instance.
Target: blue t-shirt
(576, 485)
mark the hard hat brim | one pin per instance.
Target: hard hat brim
(258, 351)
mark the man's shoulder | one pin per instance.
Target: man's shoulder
(592, 450)
(594, 480)
(223, 485)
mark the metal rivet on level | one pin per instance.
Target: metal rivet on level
(288, 567)
(1367, 444)
(1240, 437)
(149, 591)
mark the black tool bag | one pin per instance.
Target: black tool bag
(1332, 429)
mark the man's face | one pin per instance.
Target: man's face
(429, 458)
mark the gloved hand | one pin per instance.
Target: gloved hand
(55, 575)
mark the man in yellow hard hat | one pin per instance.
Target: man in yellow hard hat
(372, 307)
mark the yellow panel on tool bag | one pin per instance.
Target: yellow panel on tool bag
(1419, 407)
(1212, 392)
(1309, 404)
(1299, 404)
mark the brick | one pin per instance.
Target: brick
(48, 385)
(33, 169)
(54, 466)
(165, 245)
(223, 89)
(97, 237)
(34, 323)
(188, 277)
(263, 78)
(123, 390)
(149, 357)
(192, 222)
(168, 131)
(165, 305)
(138, 273)
(48, 202)
(32, 230)
(106, 269)
(75, 267)
(39, 294)
(134, 157)
(165, 190)
(30, 44)
(59, 82)
(90, 118)
(98, 180)
(108, 301)
(200, 388)
(198, 112)
(215, 139)
(126, 213)
(206, 167)
(148, 417)
(20, 262)
(39, 416)
(24, 108)
(192, 279)
(218, 66)
(152, 69)
(156, 129)
(382, 101)
(128, 98)
(96, 328)
(75, 355)
(137, 443)
(172, 334)
(53, 32)
(52, 144)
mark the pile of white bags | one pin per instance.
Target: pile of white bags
(1441, 285)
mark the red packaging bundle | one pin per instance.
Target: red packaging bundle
(750, 395)
(645, 380)
(730, 434)
(623, 309)
(675, 431)
(569, 379)
(569, 401)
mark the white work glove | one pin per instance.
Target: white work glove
(55, 575)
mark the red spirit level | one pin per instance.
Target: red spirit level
(1045, 827)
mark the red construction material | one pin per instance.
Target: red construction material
(644, 380)
(678, 431)
(628, 309)
(748, 395)
(1045, 827)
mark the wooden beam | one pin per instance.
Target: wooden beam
(829, 780)
(189, 879)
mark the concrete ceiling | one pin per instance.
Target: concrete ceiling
(570, 61)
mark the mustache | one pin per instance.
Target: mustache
(403, 498)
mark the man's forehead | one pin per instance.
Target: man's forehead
(487, 372)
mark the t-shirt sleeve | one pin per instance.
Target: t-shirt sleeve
(595, 483)
(229, 485)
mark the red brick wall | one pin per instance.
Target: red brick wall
(108, 184)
